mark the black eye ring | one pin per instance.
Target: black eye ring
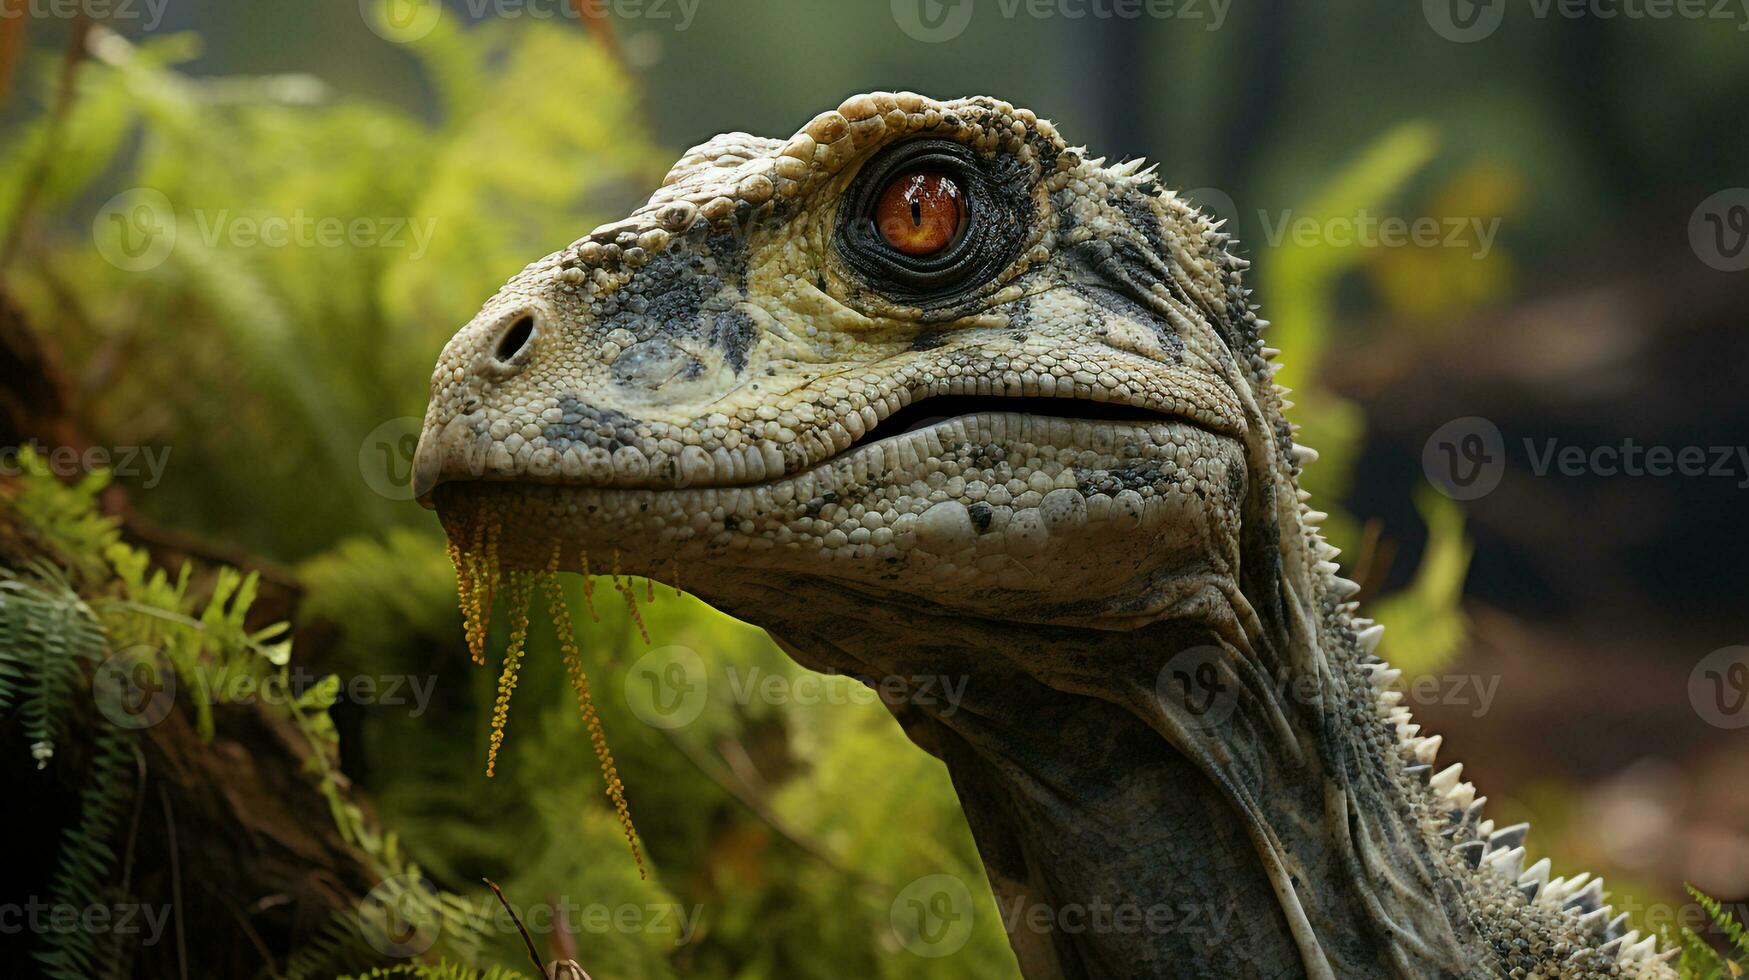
(984, 246)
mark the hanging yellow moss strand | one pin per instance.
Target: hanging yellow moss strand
(519, 588)
(486, 591)
(624, 588)
(477, 605)
(464, 584)
(589, 589)
(561, 614)
(454, 529)
(475, 554)
(676, 564)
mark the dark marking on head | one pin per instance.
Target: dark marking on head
(1137, 207)
(1020, 318)
(980, 513)
(732, 331)
(1140, 473)
(584, 424)
(1113, 276)
(1063, 203)
(669, 294)
(1117, 303)
(729, 249)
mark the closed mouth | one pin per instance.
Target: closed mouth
(926, 412)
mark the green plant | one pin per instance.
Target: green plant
(49, 642)
(63, 519)
(52, 639)
(1700, 961)
(48, 638)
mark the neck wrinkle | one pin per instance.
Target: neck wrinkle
(1245, 852)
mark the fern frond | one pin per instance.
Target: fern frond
(1700, 961)
(86, 860)
(47, 636)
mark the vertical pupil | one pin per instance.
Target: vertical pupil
(919, 212)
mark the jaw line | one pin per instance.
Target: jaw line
(431, 455)
(655, 529)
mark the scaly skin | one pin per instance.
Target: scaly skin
(1170, 712)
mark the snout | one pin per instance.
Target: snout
(440, 454)
(488, 353)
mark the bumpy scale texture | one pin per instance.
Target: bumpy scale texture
(1092, 514)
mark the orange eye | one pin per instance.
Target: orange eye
(920, 212)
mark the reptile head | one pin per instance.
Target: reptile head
(925, 391)
(921, 350)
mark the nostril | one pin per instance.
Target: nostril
(515, 338)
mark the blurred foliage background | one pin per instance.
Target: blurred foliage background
(285, 383)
